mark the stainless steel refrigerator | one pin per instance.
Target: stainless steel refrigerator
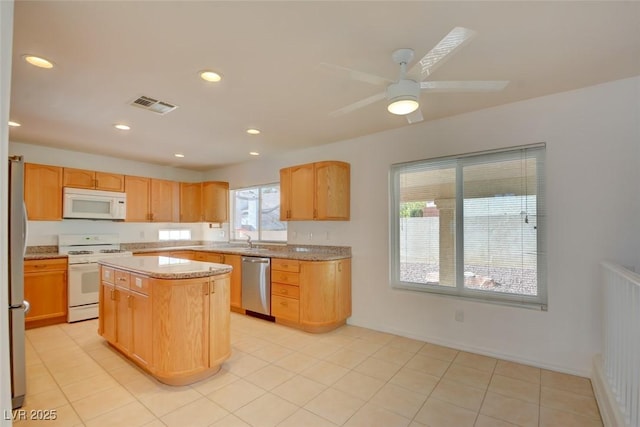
(17, 305)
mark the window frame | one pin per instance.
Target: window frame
(233, 235)
(539, 301)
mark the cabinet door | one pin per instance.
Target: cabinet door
(165, 201)
(140, 328)
(235, 261)
(107, 315)
(318, 293)
(109, 181)
(343, 287)
(79, 178)
(137, 189)
(123, 319)
(176, 327)
(301, 197)
(190, 202)
(43, 192)
(46, 292)
(219, 321)
(285, 193)
(215, 201)
(332, 186)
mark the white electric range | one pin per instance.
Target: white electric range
(84, 251)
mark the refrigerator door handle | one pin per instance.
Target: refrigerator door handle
(25, 230)
(25, 306)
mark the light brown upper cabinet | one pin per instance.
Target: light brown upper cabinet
(315, 191)
(81, 178)
(215, 201)
(204, 201)
(43, 192)
(190, 202)
(149, 199)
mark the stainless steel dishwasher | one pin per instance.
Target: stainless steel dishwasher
(256, 284)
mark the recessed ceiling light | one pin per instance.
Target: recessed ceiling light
(14, 124)
(253, 131)
(210, 76)
(121, 127)
(38, 61)
(254, 153)
(179, 155)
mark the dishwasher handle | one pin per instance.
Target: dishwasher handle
(256, 260)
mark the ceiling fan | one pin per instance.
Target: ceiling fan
(403, 94)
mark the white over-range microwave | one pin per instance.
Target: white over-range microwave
(79, 203)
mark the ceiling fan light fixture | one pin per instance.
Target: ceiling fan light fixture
(403, 97)
(402, 107)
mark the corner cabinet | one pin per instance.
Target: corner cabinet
(43, 192)
(204, 201)
(311, 295)
(315, 191)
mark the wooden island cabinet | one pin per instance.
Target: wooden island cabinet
(170, 319)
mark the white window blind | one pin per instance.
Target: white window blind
(471, 226)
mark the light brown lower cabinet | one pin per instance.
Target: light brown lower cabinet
(148, 321)
(234, 261)
(45, 287)
(311, 295)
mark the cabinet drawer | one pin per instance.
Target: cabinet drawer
(285, 265)
(108, 275)
(32, 266)
(122, 279)
(285, 308)
(281, 289)
(139, 284)
(285, 277)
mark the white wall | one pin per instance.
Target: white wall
(593, 203)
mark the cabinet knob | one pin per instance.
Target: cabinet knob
(283, 303)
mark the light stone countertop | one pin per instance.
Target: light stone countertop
(160, 267)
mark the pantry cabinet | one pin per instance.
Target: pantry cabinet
(45, 287)
(311, 295)
(43, 192)
(81, 178)
(315, 191)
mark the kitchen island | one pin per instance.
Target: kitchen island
(170, 316)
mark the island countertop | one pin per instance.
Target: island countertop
(162, 267)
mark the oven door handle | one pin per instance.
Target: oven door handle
(89, 266)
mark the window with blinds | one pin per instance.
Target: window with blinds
(471, 226)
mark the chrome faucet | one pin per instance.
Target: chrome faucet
(249, 241)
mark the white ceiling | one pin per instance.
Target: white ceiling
(110, 52)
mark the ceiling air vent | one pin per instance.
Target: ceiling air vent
(153, 105)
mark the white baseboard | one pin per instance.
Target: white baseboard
(609, 409)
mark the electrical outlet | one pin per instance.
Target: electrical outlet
(459, 315)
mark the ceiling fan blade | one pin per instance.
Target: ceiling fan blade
(464, 86)
(437, 56)
(362, 103)
(415, 117)
(359, 75)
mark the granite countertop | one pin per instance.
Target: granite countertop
(299, 252)
(159, 267)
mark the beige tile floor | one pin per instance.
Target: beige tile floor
(279, 376)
